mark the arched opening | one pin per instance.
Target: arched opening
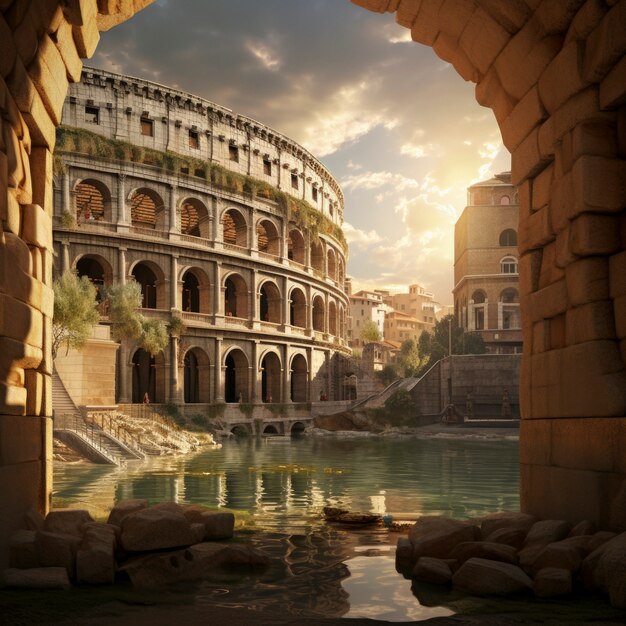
(341, 273)
(196, 376)
(332, 318)
(236, 297)
(270, 430)
(194, 218)
(270, 303)
(508, 237)
(299, 379)
(151, 286)
(235, 228)
(295, 246)
(317, 256)
(318, 314)
(505, 200)
(297, 429)
(93, 201)
(297, 308)
(479, 297)
(508, 265)
(270, 378)
(147, 209)
(97, 270)
(331, 265)
(478, 316)
(236, 377)
(240, 432)
(147, 378)
(268, 240)
(509, 313)
(195, 291)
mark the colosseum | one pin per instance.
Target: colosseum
(224, 223)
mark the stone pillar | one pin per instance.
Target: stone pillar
(66, 266)
(125, 373)
(286, 395)
(255, 375)
(175, 390)
(218, 293)
(67, 198)
(174, 300)
(122, 217)
(253, 300)
(172, 216)
(500, 316)
(286, 308)
(218, 384)
(121, 266)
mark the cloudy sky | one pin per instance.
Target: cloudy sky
(398, 128)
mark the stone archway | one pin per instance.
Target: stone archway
(554, 75)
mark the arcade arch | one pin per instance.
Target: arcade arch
(268, 238)
(93, 201)
(319, 314)
(297, 308)
(194, 218)
(236, 377)
(98, 270)
(234, 228)
(270, 303)
(150, 279)
(147, 209)
(271, 378)
(299, 379)
(295, 246)
(235, 296)
(195, 291)
(196, 376)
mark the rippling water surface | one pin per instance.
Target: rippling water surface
(283, 485)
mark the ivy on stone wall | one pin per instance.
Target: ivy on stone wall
(301, 213)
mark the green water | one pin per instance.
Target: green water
(317, 570)
(284, 484)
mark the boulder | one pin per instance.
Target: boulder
(197, 530)
(436, 536)
(434, 571)
(191, 564)
(546, 531)
(66, 521)
(552, 581)
(169, 506)
(484, 550)
(557, 556)
(513, 537)
(580, 542)
(505, 520)
(605, 569)
(56, 550)
(583, 528)
(484, 577)
(23, 550)
(37, 578)
(342, 516)
(218, 525)
(95, 558)
(33, 519)
(599, 539)
(155, 529)
(404, 555)
(124, 508)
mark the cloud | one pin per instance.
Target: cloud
(376, 180)
(357, 237)
(263, 52)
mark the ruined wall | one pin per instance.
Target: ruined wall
(41, 45)
(554, 74)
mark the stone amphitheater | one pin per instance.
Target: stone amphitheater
(225, 224)
(554, 73)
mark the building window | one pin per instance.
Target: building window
(294, 181)
(147, 127)
(194, 139)
(314, 194)
(233, 153)
(508, 237)
(267, 167)
(92, 115)
(505, 200)
(331, 209)
(508, 265)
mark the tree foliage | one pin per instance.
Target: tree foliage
(128, 323)
(75, 311)
(370, 332)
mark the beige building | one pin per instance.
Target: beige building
(365, 306)
(417, 303)
(486, 292)
(399, 327)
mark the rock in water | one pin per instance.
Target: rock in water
(437, 536)
(155, 529)
(37, 578)
(343, 516)
(552, 581)
(66, 521)
(124, 508)
(435, 571)
(491, 578)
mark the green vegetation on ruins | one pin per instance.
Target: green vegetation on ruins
(301, 213)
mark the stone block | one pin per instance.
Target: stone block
(23, 550)
(550, 582)
(541, 336)
(447, 49)
(218, 525)
(511, 15)
(424, 20)
(489, 93)
(617, 275)
(483, 39)
(20, 321)
(619, 309)
(67, 521)
(38, 578)
(595, 138)
(436, 536)
(606, 44)
(561, 197)
(67, 49)
(559, 556)
(542, 187)
(557, 332)
(95, 558)
(20, 439)
(513, 537)
(154, 529)
(547, 531)
(8, 51)
(587, 18)
(555, 17)
(527, 161)
(484, 550)
(433, 571)
(26, 38)
(548, 302)
(564, 255)
(41, 172)
(590, 322)
(57, 550)
(594, 235)
(33, 519)
(588, 280)
(583, 528)
(529, 271)
(550, 271)
(599, 539)
(506, 520)
(455, 15)
(536, 442)
(536, 231)
(613, 86)
(36, 226)
(484, 577)
(404, 555)
(49, 75)
(524, 58)
(563, 76)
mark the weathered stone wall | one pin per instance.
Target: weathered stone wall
(41, 44)
(554, 74)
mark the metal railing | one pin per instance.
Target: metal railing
(106, 422)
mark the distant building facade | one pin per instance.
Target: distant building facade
(399, 327)
(417, 303)
(486, 291)
(365, 306)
